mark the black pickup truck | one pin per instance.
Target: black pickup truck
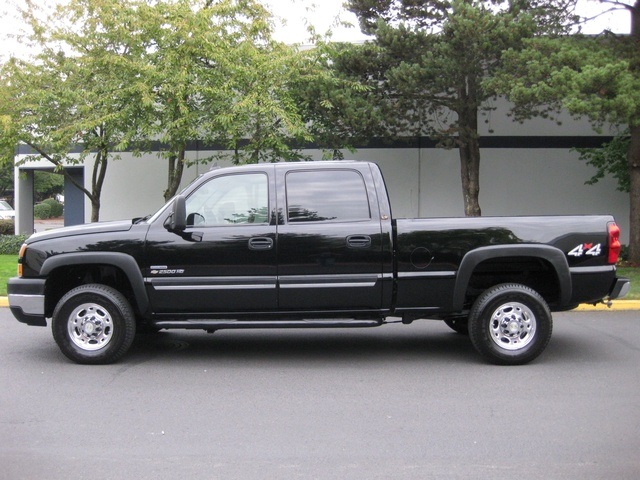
(310, 244)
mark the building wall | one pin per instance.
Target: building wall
(421, 183)
(520, 175)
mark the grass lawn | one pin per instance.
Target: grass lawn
(8, 269)
(9, 264)
(632, 274)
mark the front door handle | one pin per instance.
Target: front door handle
(260, 243)
(359, 241)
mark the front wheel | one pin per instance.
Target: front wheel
(93, 324)
(510, 324)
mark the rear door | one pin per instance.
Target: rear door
(329, 240)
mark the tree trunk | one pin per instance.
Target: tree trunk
(97, 180)
(470, 174)
(469, 150)
(99, 171)
(633, 157)
(176, 167)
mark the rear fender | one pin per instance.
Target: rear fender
(552, 255)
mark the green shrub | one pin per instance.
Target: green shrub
(42, 211)
(624, 253)
(56, 207)
(7, 227)
(10, 244)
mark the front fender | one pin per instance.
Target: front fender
(471, 260)
(124, 262)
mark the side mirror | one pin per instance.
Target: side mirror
(177, 221)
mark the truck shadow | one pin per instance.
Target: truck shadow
(314, 345)
(430, 341)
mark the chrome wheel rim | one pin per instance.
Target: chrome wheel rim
(512, 326)
(90, 326)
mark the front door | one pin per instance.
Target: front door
(225, 261)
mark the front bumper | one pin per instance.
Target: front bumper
(620, 288)
(26, 300)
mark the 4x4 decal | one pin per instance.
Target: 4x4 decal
(586, 249)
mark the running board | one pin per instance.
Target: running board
(225, 324)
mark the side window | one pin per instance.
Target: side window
(230, 200)
(326, 195)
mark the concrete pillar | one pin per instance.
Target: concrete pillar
(74, 198)
(24, 201)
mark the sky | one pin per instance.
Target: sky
(324, 13)
(296, 15)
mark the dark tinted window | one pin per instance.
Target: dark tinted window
(326, 195)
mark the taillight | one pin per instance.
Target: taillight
(23, 250)
(614, 243)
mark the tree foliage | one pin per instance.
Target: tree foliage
(46, 185)
(214, 74)
(117, 75)
(597, 77)
(78, 97)
(340, 109)
(6, 178)
(430, 59)
(609, 160)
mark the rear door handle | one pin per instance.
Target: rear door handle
(260, 243)
(359, 241)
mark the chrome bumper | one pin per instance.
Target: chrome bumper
(620, 288)
(27, 301)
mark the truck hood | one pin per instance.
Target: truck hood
(100, 227)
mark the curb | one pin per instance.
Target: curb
(619, 305)
(616, 305)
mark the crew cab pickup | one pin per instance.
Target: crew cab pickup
(310, 244)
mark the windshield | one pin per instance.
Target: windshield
(152, 218)
(5, 206)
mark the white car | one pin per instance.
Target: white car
(6, 211)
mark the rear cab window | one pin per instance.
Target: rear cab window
(326, 196)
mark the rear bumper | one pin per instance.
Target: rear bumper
(26, 300)
(620, 288)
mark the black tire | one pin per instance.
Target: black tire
(458, 324)
(93, 324)
(510, 324)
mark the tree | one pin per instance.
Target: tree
(47, 185)
(432, 58)
(79, 96)
(597, 77)
(340, 107)
(216, 75)
(116, 75)
(6, 179)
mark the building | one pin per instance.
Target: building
(526, 169)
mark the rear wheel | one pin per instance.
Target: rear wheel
(510, 324)
(93, 324)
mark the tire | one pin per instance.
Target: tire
(458, 324)
(93, 324)
(510, 324)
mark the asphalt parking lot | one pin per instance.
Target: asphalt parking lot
(390, 402)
